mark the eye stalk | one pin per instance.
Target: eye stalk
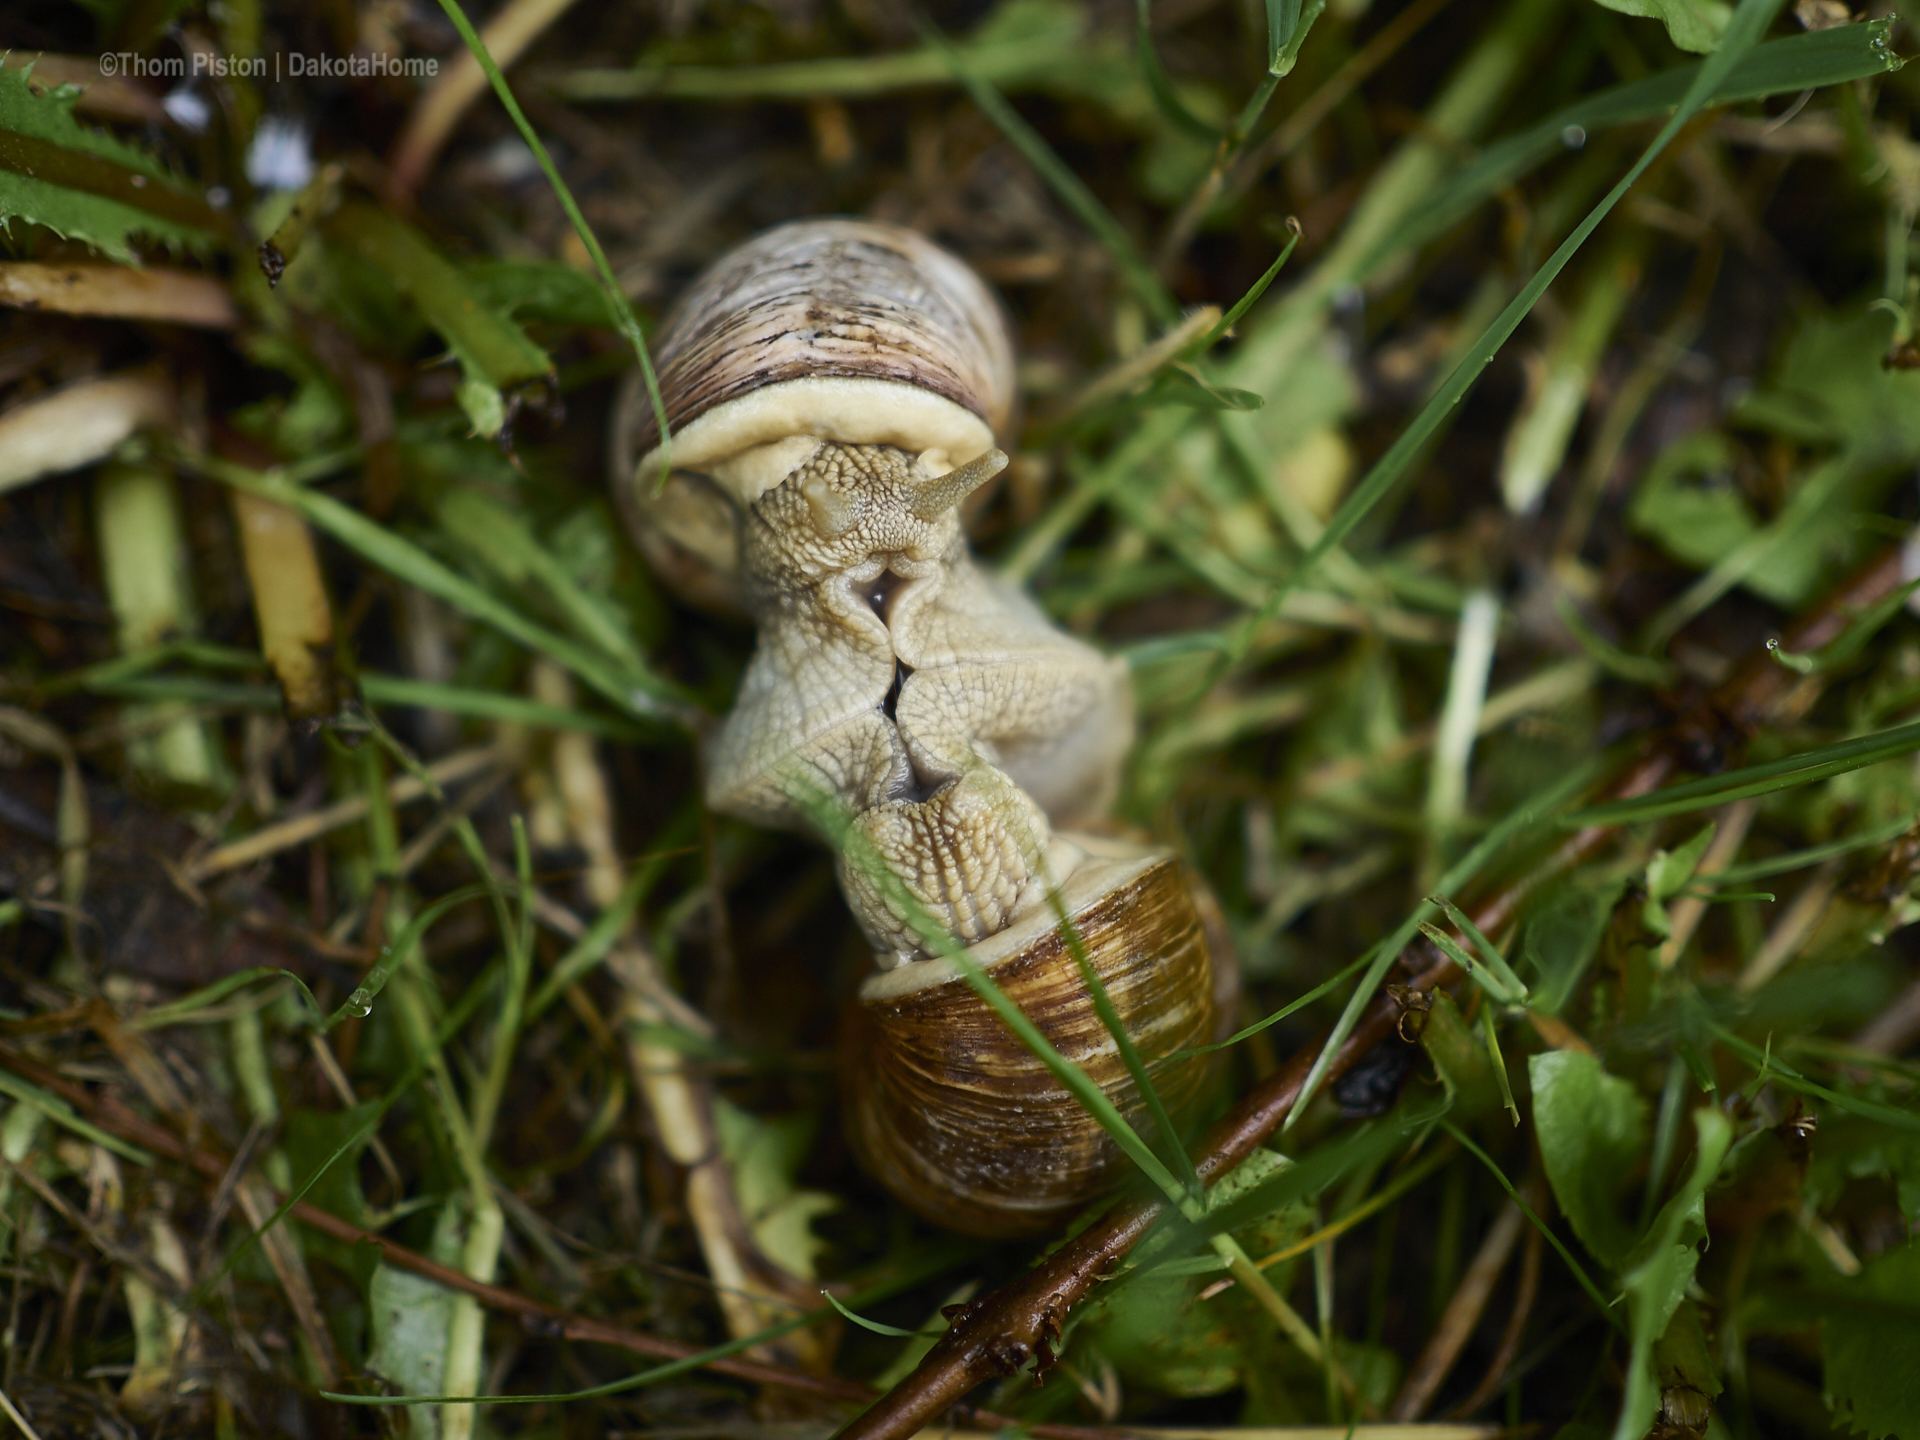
(945, 492)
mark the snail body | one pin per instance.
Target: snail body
(833, 388)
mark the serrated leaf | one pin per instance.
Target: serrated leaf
(1695, 25)
(1592, 1127)
(765, 1154)
(84, 185)
(1872, 1348)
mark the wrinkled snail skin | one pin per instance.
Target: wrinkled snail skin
(833, 388)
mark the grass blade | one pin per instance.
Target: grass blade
(617, 306)
(1820, 763)
(1749, 24)
(1523, 818)
(1071, 189)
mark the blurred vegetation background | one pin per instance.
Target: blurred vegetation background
(382, 1014)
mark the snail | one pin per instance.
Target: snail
(833, 389)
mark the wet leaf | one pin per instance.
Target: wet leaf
(1695, 25)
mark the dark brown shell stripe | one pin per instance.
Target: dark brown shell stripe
(839, 299)
(939, 1118)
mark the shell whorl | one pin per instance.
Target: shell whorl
(836, 314)
(957, 1118)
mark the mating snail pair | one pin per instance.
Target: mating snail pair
(833, 390)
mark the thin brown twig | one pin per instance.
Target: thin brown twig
(1461, 1317)
(540, 1318)
(997, 1334)
(299, 829)
(1525, 1290)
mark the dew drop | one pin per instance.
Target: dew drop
(359, 1004)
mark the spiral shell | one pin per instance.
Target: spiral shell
(954, 1115)
(829, 329)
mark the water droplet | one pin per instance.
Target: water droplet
(1773, 644)
(1574, 137)
(360, 1004)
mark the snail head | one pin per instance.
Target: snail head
(847, 503)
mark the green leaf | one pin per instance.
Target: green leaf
(1820, 763)
(1701, 88)
(1592, 1128)
(1561, 936)
(553, 294)
(1326, 1164)
(86, 186)
(1164, 94)
(311, 1140)
(891, 1331)
(494, 353)
(1179, 385)
(1463, 1064)
(1831, 389)
(411, 1317)
(637, 691)
(1687, 501)
(1522, 818)
(1853, 1149)
(765, 1154)
(1283, 19)
(506, 544)
(1695, 25)
(1784, 66)
(1872, 1351)
(1152, 1328)
(1661, 1268)
(1068, 186)
(1667, 876)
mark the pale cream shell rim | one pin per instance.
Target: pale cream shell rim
(850, 410)
(1094, 877)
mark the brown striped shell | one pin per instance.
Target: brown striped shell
(825, 329)
(955, 1116)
